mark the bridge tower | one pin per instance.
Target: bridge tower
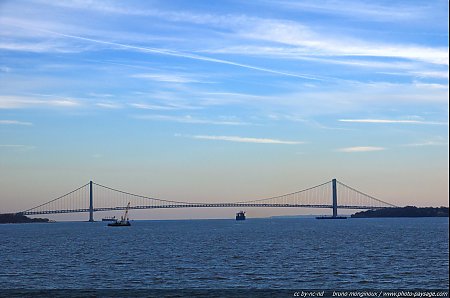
(333, 183)
(91, 203)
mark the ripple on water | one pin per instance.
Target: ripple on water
(263, 253)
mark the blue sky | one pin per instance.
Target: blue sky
(223, 100)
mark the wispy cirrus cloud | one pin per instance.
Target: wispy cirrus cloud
(166, 107)
(418, 73)
(245, 140)
(305, 102)
(15, 122)
(431, 74)
(310, 42)
(145, 106)
(360, 149)
(427, 143)
(109, 105)
(255, 36)
(40, 47)
(189, 120)
(392, 121)
(299, 53)
(100, 95)
(16, 146)
(179, 54)
(356, 9)
(435, 141)
(16, 102)
(168, 78)
(394, 12)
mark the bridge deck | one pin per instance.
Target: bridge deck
(213, 205)
(324, 195)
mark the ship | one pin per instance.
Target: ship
(112, 218)
(123, 221)
(240, 215)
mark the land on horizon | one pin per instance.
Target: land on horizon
(408, 211)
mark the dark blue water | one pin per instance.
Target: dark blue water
(256, 253)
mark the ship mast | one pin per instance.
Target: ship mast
(126, 212)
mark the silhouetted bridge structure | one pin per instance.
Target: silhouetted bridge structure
(93, 197)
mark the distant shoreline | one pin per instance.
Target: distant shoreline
(19, 218)
(398, 212)
(408, 211)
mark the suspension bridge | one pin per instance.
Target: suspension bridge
(93, 197)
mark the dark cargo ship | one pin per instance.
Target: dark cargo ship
(240, 215)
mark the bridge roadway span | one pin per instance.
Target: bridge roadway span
(197, 205)
(324, 195)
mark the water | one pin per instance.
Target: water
(273, 253)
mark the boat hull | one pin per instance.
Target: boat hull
(240, 215)
(331, 217)
(119, 224)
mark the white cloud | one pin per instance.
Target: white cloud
(431, 74)
(392, 121)
(394, 12)
(298, 53)
(15, 102)
(282, 38)
(40, 47)
(144, 106)
(15, 146)
(299, 36)
(102, 95)
(435, 141)
(128, 10)
(245, 140)
(108, 105)
(360, 149)
(345, 97)
(169, 78)
(188, 119)
(312, 43)
(431, 86)
(287, 117)
(14, 122)
(179, 54)
(149, 107)
(427, 143)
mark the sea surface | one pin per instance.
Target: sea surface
(272, 253)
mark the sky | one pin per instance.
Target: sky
(223, 101)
